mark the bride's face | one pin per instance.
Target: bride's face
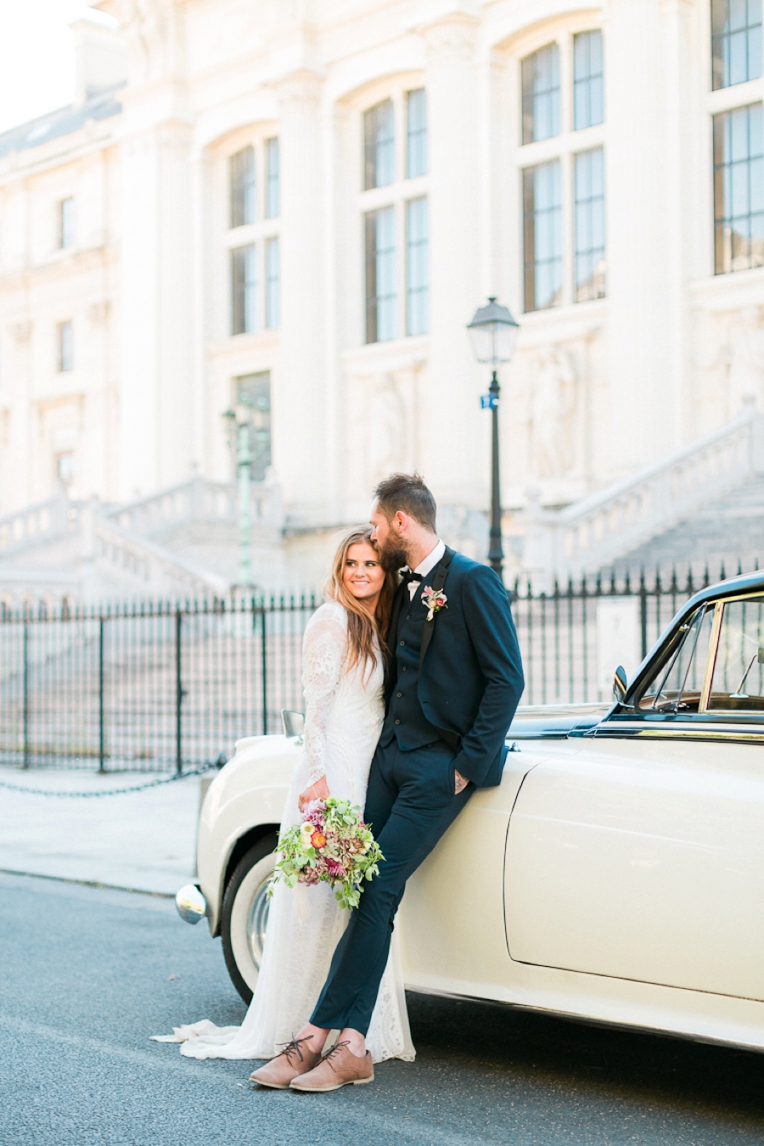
(363, 575)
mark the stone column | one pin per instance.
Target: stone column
(453, 435)
(300, 429)
(643, 210)
(156, 329)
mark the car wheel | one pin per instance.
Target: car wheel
(244, 915)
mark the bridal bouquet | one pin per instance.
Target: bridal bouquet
(332, 845)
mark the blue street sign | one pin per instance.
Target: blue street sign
(488, 402)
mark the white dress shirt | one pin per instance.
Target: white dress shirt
(426, 566)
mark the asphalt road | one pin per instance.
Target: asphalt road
(87, 975)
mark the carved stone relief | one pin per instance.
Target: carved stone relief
(148, 24)
(709, 398)
(746, 359)
(727, 364)
(551, 412)
(381, 424)
(386, 428)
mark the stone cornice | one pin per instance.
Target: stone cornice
(454, 33)
(300, 86)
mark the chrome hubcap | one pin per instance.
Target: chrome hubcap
(257, 921)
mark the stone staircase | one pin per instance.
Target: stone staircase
(722, 536)
(702, 504)
(180, 542)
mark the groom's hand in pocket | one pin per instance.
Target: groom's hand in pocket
(460, 782)
(317, 791)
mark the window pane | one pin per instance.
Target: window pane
(736, 41)
(541, 94)
(418, 278)
(241, 168)
(416, 133)
(64, 463)
(738, 680)
(380, 275)
(253, 391)
(379, 145)
(272, 286)
(243, 290)
(679, 682)
(272, 173)
(66, 223)
(738, 189)
(589, 190)
(542, 203)
(65, 346)
(588, 87)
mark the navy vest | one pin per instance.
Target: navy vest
(405, 719)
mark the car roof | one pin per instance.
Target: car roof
(731, 587)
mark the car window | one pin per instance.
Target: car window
(677, 686)
(738, 680)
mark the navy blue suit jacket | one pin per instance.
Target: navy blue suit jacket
(471, 675)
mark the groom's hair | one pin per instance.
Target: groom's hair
(409, 494)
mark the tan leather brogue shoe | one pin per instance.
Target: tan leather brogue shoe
(295, 1059)
(338, 1067)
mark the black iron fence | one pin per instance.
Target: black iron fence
(160, 686)
(148, 686)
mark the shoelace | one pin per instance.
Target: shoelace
(294, 1045)
(328, 1054)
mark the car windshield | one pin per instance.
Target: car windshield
(678, 684)
(738, 680)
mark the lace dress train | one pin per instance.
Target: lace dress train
(343, 718)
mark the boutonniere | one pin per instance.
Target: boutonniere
(435, 600)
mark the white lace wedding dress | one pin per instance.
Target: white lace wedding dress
(343, 719)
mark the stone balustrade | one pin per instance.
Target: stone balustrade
(154, 569)
(43, 522)
(593, 532)
(198, 500)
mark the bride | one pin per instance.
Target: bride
(344, 709)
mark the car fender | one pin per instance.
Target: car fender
(249, 792)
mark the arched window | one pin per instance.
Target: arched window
(393, 205)
(561, 158)
(252, 235)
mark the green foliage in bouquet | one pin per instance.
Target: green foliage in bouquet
(332, 845)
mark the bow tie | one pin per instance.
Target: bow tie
(407, 575)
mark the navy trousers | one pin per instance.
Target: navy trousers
(410, 803)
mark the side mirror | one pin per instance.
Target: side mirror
(620, 684)
(293, 724)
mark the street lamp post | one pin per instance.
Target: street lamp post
(493, 331)
(239, 441)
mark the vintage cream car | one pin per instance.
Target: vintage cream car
(616, 874)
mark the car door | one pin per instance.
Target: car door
(643, 858)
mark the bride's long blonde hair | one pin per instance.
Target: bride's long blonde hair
(363, 625)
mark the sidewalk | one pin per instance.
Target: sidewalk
(142, 840)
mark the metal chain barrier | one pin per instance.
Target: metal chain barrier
(112, 791)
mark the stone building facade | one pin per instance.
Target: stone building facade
(293, 208)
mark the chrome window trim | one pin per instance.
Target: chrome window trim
(713, 649)
(688, 728)
(703, 707)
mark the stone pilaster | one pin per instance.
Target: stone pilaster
(453, 434)
(301, 437)
(644, 77)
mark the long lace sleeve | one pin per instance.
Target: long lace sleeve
(323, 654)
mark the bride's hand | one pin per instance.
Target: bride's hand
(317, 791)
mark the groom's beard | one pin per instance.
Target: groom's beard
(393, 555)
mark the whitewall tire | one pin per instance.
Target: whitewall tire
(244, 915)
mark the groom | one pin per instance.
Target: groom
(453, 682)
